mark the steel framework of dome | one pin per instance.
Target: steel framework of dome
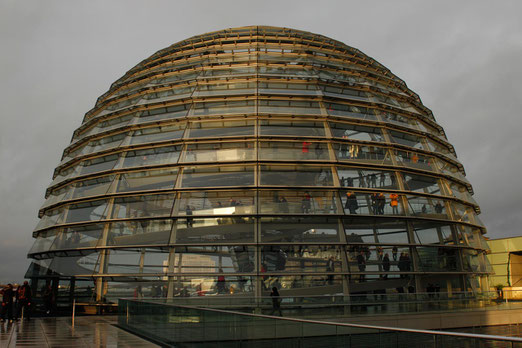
(254, 157)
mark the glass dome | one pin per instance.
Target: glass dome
(247, 158)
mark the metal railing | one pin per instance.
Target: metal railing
(188, 326)
(336, 305)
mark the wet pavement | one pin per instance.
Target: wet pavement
(89, 331)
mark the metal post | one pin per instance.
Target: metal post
(73, 312)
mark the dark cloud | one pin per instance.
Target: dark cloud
(462, 58)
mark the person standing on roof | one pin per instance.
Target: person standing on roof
(7, 303)
(276, 301)
(394, 203)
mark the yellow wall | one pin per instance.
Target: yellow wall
(499, 256)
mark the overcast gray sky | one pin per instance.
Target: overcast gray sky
(462, 57)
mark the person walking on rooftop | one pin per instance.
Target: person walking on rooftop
(24, 297)
(48, 297)
(276, 301)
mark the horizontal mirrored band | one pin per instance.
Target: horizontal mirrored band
(251, 202)
(235, 229)
(301, 151)
(219, 129)
(224, 106)
(359, 180)
(274, 261)
(263, 64)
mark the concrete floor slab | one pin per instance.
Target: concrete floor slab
(92, 331)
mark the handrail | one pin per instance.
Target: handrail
(430, 332)
(453, 295)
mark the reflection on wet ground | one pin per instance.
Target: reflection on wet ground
(92, 331)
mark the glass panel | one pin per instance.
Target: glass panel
(51, 218)
(150, 157)
(123, 261)
(44, 241)
(375, 231)
(221, 152)
(427, 207)
(215, 230)
(430, 232)
(421, 183)
(344, 92)
(65, 174)
(170, 112)
(399, 119)
(439, 148)
(362, 153)
(215, 259)
(437, 259)
(224, 108)
(289, 107)
(217, 176)
(109, 124)
(156, 261)
(287, 88)
(92, 187)
(217, 203)
(102, 144)
(144, 232)
(356, 132)
(293, 151)
(78, 237)
(363, 177)
(281, 70)
(379, 259)
(472, 237)
(296, 176)
(473, 261)
(142, 206)
(169, 93)
(155, 134)
(73, 152)
(38, 268)
(429, 129)
(134, 288)
(87, 211)
(298, 202)
(463, 213)
(309, 281)
(350, 111)
(59, 195)
(293, 229)
(414, 160)
(98, 164)
(76, 265)
(372, 203)
(230, 71)
(221, 128)
(460, 192)
(406, 139)
(198, 286)
(150, 180)
(451, 169)
(222, 89)
(297, 128)
(301, 258)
